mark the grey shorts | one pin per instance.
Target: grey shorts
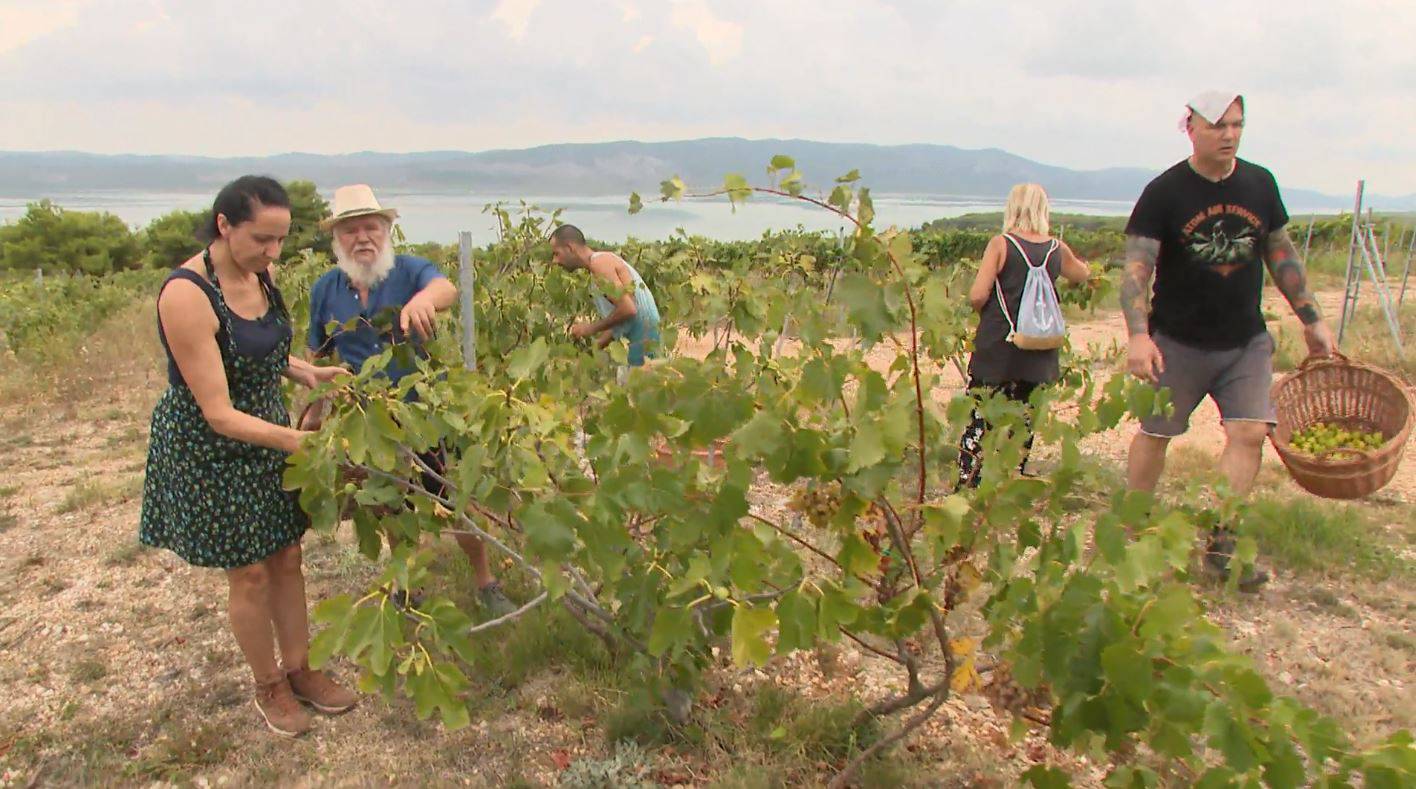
(1237, 379)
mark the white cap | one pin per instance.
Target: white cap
(1210, 105)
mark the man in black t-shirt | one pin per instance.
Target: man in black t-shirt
(1205, 229)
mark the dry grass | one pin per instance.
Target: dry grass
(88, 670)
(124, 554)
(88, 494)
(121, 351)
(130, 435)
(1368, 338)
(1333, 628)
(1305, 534)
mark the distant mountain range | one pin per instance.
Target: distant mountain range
(610, 168)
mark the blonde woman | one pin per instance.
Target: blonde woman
(997, 365)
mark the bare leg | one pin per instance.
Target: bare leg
(1146, 461)
(288, 606)
(1243, 449)
(477, 557)
(292, 631)
(249, 608)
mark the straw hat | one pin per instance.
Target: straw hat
(355, 200)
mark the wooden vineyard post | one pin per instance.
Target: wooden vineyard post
(466, 285)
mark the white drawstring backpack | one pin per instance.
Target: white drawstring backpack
(1039, 326)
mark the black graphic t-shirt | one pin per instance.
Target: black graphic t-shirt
(1210, 274)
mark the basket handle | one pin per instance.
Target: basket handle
(312, 417)
(1335, 356)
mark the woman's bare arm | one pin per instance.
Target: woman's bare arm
(982, 289)
(190, 328)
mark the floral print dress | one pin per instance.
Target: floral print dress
(212, 500)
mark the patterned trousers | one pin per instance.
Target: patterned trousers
(971, 444)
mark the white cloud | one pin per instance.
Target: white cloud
(721, 39)
(1082, 83)
(159, 17)
(516, 15)
(23, 21)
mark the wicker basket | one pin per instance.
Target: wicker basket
(1355, 395)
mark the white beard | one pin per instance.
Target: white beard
(361, 275)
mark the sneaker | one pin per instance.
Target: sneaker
(494, 601)
(1220, 551)
(282, 713)
(319, 691)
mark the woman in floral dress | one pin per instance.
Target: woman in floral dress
(220, 438)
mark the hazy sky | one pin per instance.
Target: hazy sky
(1331, 88)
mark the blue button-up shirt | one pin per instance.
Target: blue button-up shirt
(334, 298)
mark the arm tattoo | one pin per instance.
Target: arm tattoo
(1141, 255)
(1289, 276)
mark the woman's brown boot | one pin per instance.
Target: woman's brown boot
(319, 691)
(282, 713)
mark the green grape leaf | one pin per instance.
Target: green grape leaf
(1044, 777)
(865, 302)
(1285, 765)
(737, 188)
(840, 198)
(548, 531)
(672, 189)
(672, 626)
(750, 628)
(1231, 737)
(528, 359)
(793, 184)
(857, 557)
(1128, 670)
(780, 162)
(796, 615)
(764, 434)
(358, 445)
(944, 519)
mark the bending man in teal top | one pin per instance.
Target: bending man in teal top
(627, 308)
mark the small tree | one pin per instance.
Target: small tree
(54, 239)
(307, 208)
(170, 239)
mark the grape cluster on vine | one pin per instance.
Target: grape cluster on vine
(1006, 695)
(819, 502)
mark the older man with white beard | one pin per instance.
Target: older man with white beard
(369, 280)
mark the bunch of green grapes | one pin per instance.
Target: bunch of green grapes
(819, 503)
(1322, 437)
(1007, 696)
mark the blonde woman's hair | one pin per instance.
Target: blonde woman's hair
(1027, 210)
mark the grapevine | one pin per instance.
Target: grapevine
(601, 493)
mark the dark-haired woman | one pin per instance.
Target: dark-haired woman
(220, 437)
